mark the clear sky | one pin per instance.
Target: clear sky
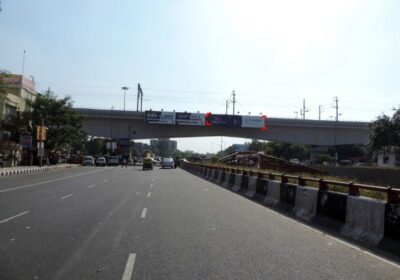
(190, 55)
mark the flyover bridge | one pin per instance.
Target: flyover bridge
(118, 124)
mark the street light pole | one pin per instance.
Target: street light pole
(124, 88)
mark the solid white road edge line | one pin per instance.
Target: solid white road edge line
(144, 212)
(129, 267)
(13, 217)
(47, 181)
(66, 196)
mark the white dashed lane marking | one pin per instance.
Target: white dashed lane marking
(13, 217)
(144, 212)
(91, 186)
(129, 267)
(149, 194)
(66, 196)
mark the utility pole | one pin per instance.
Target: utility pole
(233, 101)
(336, 100)
(139, 98)
(124, 88)
(319, 112)
(226, 106)
(304, 110)
(23, 63)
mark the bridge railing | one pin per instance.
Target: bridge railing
(390, 194)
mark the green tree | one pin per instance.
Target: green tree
(3, 85)
(384, 132)
(95, 146)
(63, 123)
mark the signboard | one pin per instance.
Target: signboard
(157, 117)
(255, 122)
(25, 141)
(40, 133)
(196, 119)
(236, 121)
(17, 80)
(223, 120)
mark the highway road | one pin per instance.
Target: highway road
(125, 223)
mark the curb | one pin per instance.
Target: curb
(34, 170)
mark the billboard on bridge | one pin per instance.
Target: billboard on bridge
(236, 121)
(185, 118)
(159, 117)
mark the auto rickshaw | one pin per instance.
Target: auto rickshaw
(147, 163)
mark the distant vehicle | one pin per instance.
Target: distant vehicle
(167, 162)
(294, 160)
(76, 159)
(113, 160)
(88, 160)
(147, 163)
(101, 161)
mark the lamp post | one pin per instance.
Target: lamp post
(124, 88)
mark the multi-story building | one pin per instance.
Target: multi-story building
(163, 147)
(19, 90)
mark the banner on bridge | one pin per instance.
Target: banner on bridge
(159, 117)
(196, 119)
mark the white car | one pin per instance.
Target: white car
(101, 161)
(113, 160)
(88, 160)
(167, 162)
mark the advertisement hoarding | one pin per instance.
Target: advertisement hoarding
(223, 120)
(254, 121)
(25, 141)
(196, 119)
(41, 133)
(159, 117)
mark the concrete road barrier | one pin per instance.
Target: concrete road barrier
(288, 195)
(262, 187)
(252, 184)
(229, 180)
(361, 218)
(364, 219)
(238, 183)
(221, 177)
(392, 220)
(306, 203)
(273, 193)
(215, 175)
(332, 205)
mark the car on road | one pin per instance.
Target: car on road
(101, 161)
(113, 160)
(167, 162)
(147, 163)
(88, 160)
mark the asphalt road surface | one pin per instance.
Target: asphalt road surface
(124, 223)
